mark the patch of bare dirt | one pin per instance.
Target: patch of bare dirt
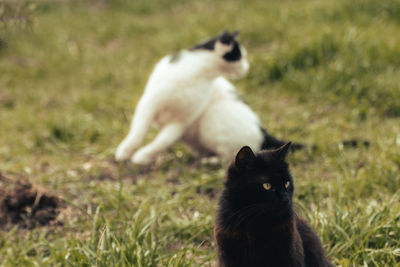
(24, 205)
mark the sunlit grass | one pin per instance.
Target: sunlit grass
(321, 72)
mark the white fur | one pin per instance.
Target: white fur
(226, 125)
(175, 96)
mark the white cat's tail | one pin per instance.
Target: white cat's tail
(141, 122)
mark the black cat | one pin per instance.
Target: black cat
(256, 225)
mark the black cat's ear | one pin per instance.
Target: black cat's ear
(245, 157)
(282, 152)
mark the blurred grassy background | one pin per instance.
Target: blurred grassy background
(71, 73)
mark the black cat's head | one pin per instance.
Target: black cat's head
(227, 48)
(259, 187)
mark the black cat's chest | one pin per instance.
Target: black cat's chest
(270, 248)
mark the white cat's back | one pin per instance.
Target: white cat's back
(178, 91)
(227, 124)
(170, 75)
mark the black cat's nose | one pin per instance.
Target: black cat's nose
(285, 199)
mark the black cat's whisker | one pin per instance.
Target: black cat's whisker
(244, 209)
(258, 214)
(235, 219)
(245, 219)
(247, 213)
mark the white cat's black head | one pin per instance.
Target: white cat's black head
(225, 39)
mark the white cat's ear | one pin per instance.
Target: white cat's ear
(245, 157)
(282, 151)
(228, 38)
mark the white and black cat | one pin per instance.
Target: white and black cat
(190, 99)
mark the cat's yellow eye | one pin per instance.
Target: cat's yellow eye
(287, 184)
(267, 186)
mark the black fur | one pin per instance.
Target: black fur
(207, 45)
(235, 54)
(271, 142)
(225, 38)
(258, 227)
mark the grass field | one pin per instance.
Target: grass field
(322, 71)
